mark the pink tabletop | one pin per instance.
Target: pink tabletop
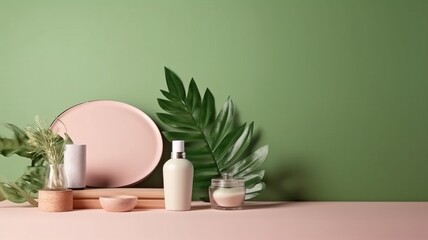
(259, 220)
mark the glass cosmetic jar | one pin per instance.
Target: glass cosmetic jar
(227, 193)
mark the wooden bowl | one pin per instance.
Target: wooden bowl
(120, 203)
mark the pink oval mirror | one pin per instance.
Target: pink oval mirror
(124, 145)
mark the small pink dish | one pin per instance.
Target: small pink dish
(120, 203)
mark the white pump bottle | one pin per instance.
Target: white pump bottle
(178, 179)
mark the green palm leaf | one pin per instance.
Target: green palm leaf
(213, 143)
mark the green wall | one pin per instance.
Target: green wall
(338, 89)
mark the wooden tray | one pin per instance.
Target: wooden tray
(141, 204)
(141, 193)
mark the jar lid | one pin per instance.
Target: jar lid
(227, 180)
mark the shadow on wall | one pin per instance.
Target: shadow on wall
(155, 179)
(286, 182)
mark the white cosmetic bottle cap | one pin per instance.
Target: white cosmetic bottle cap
(178, 146)
(178, 149)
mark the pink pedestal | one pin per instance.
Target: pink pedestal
(258, 220)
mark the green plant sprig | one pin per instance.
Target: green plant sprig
(213, 143)
(46, 144)
(27, 186)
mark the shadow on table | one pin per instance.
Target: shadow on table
(248, 205)
(201, 207)
(17, 205)
(264, 205)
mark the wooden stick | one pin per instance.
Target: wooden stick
(141, 204)
(144, 193)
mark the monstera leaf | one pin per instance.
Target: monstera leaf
(214, 143)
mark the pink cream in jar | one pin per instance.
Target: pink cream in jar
(227, 193)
